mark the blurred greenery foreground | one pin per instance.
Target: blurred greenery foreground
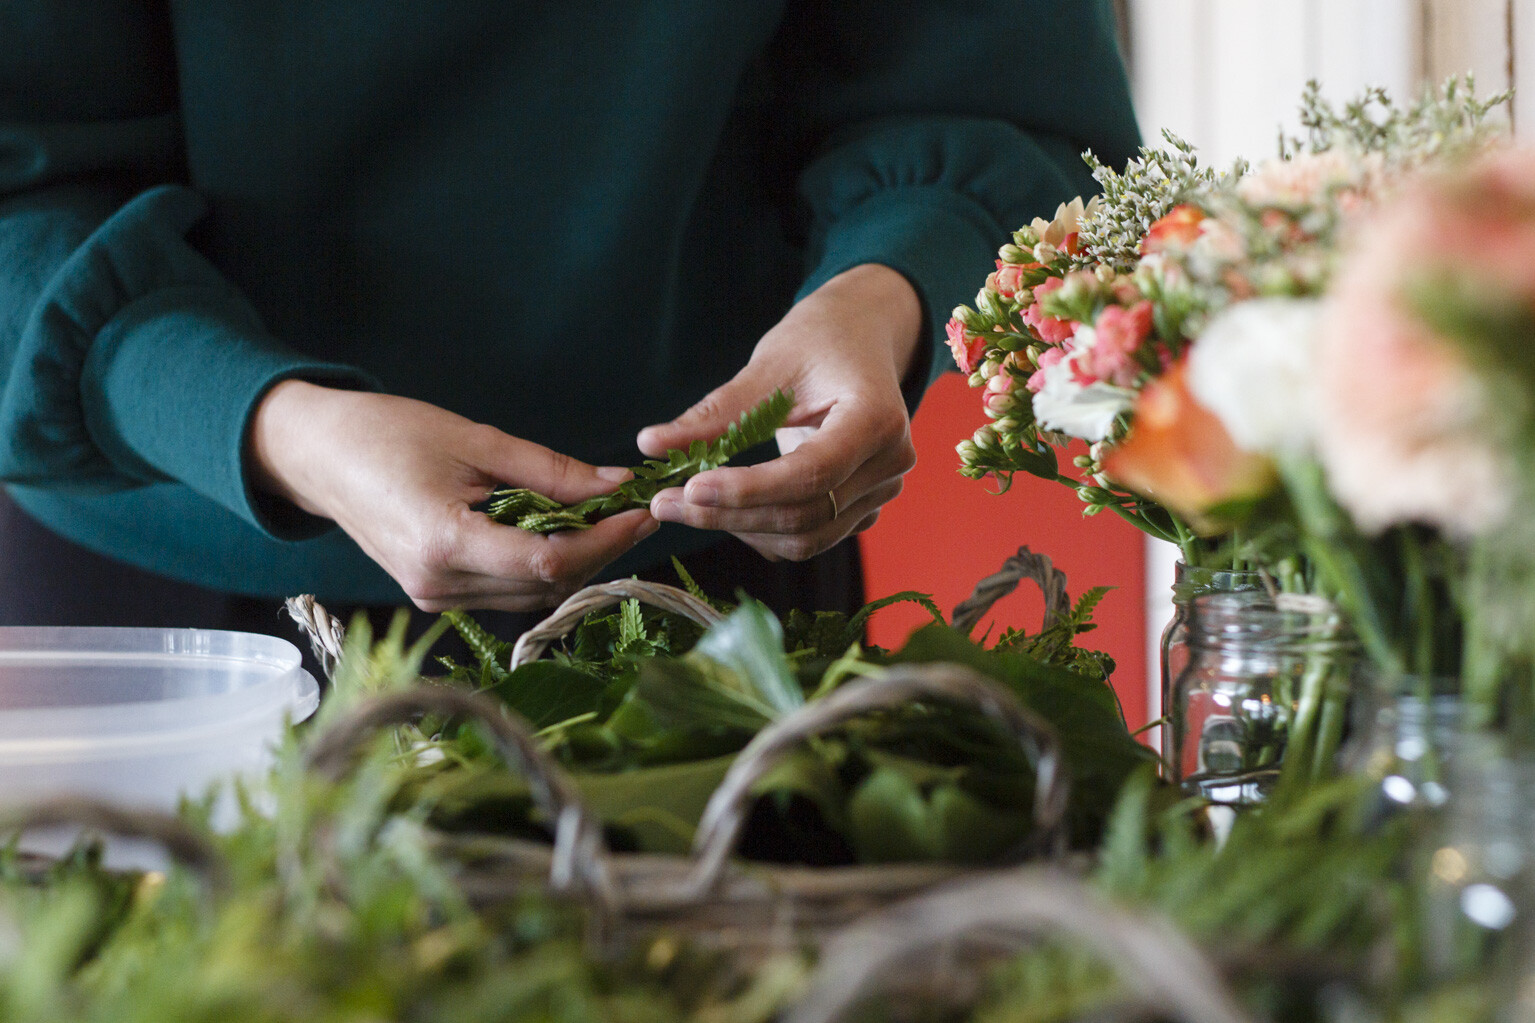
(356, 885)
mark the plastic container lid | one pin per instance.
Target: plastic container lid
(141, 717)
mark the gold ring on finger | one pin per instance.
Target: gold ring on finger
(833, 495)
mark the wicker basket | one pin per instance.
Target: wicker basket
(933, 948)
(717, 901)
(748, 909)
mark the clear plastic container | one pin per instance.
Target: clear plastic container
(140, 717)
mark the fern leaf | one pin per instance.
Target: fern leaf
(553, 522)
(537, 513)
(1082, 613)
(689, 584)
(512, 504)
(855, 624)
(631, 624)
(480, 643)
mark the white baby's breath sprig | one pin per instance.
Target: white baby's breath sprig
(1133, 200)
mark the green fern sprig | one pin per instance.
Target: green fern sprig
(491, 652)
(536, 513)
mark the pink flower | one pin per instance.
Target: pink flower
(968, 347)
(1410, 428)
(999, 392)
(1007, 281)
(1049, 328)
(1120, 333)
(1310, 179)
(1047, 358)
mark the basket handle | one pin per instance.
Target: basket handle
(1164, 971)
(180, 841)
(1023, 565)
(724, 815)
(531, 644)
(326, 635)
(580, 855)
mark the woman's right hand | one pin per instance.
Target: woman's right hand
(402, 477)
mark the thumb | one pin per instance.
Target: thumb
(710, 417)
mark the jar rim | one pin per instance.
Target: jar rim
(1191, 581)
(1250, 617)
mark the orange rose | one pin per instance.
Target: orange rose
(1178, 454)
(1179, 227)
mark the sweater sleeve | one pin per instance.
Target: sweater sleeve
(125, 357)
(934, 128)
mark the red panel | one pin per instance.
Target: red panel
(946, 532)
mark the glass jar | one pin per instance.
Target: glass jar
(1406, 729)
(1190, 582)
(1261, 685)
(1480, 874)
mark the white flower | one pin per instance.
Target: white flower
(1067, 220)
(1254, 366)
(1067, 406)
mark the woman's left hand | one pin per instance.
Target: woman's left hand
(844, 350)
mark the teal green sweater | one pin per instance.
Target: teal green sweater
(568, 219)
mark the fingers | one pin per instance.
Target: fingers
(850, 438)
(871, 484)
(490, 565)
(710, 417)
(799, 547)
(849, 455)
(522, 463)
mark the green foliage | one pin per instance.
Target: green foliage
(894, 817)
(493, 655)
(748, 648)
(1098, 749)
(646, 710)
(1303, 895)
(539, 514)
(1056, 644)
(337, 910)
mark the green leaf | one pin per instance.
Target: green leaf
(888, 820)
(658, 807)
(749, 643)
(689, 693)
(1126, 852)
(491, 654)
(694, 589)
(631, 624)
(968, 830)
(548, 694)
(1098, 749)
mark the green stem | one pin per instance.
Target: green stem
(1352, 593)
(1331, 546)
(1479, 661)
(1417, 604)
(1139, 522)
(1330, 729)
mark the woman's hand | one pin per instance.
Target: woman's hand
(844, 350)
(402, 477)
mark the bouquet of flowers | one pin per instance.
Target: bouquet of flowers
(1408, 459)
(1087, 326)
(1175, 324)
